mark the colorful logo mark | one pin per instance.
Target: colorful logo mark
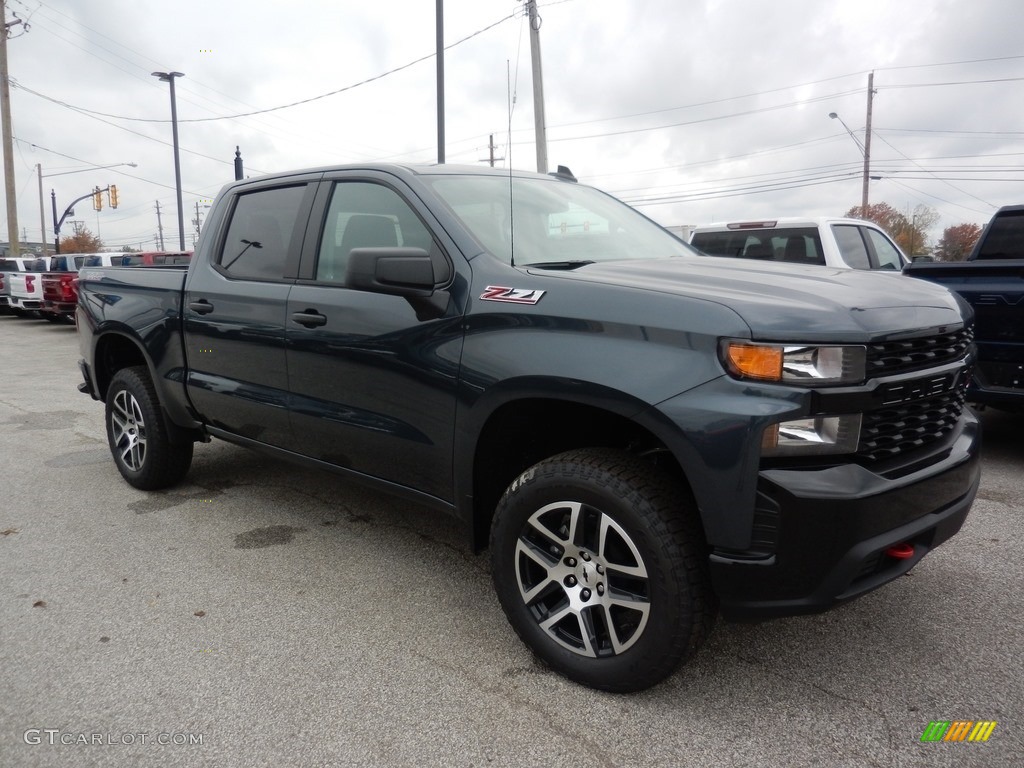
(958, 730)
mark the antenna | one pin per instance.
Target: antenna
(508, 155)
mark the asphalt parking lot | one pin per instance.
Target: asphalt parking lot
(264, 615)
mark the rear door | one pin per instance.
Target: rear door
(234, 311)
(373, 376)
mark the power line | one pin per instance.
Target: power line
(368, 80)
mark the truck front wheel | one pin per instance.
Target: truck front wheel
(137, 436)
(598, 561)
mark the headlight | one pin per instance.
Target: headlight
(812, 436)
(811, 365)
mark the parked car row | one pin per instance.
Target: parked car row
(47, 286)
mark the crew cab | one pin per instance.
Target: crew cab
(822, 241)
(991, 280)
(641, 435)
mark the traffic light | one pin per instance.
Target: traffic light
(97, 199)
(112, 192)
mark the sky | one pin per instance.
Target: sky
(692, 110)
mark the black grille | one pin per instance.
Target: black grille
(890, 357)
(892, 430)
(1004, 375)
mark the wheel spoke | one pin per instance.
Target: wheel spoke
(537, 521)
(541, 559)
(609, 526)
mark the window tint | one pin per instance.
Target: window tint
(851, 246)
(256, 245)
(796, 245)
(366, 215)
(1002, 240)
(887, 254)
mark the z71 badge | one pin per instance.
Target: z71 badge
(510, 295)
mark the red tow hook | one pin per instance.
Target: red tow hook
(902, 551)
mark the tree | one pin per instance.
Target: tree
(957, 242)
(83, 241)
(911, 235)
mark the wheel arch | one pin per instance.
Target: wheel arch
(520, 431)
(116, 350)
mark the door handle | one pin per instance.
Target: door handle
(310, 318)
(202, 307)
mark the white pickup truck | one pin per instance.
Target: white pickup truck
(8, 267)
(840, 243)
(26, 287)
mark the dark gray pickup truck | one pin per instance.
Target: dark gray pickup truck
(644, 437)
(992, 282)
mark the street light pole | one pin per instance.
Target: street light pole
(42, 210)
(867, 162)
(168, 77)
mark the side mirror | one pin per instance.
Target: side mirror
(394, 271)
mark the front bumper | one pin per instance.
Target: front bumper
(822, 535)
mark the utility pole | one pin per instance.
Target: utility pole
(490, 151)
(14, 248)
(160, 227)
(439, 29)
(540, 127)
(867, 147)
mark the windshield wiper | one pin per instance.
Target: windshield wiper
(559, 264)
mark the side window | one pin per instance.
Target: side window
(256, 245)
(888, 255)
(366, 215)
(851, 246)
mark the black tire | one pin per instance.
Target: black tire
(619, 613)
(137, 435)
(53, 317)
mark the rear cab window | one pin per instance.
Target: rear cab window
(797, 245)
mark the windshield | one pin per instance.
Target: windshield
(556, 223)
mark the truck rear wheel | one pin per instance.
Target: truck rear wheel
(598, 561)
(137, 436)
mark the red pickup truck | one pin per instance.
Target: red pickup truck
(60, 285)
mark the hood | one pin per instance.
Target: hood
(781, 301)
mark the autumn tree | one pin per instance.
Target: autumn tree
(957, 242)
(83, 241)
(910, 234)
